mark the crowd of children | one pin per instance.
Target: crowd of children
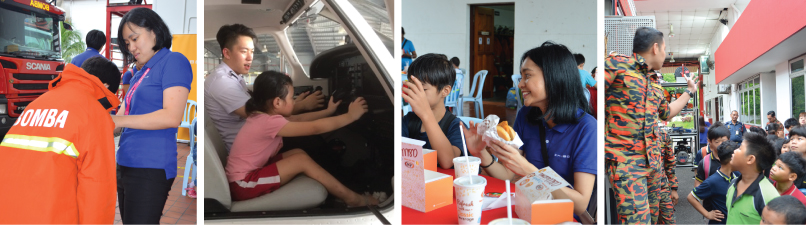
(742, 182)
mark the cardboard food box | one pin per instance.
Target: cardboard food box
(423, 190)
(430, 159)
(534, 202)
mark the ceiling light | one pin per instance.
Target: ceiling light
(671, 31)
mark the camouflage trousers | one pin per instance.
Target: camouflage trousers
(636, 189)
(665, 209)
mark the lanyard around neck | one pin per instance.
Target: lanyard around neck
(131, 93)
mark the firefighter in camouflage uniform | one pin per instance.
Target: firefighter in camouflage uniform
(635, 104)
(668, 193)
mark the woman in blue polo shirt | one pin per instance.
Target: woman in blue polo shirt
(153, 109)
(550, 84)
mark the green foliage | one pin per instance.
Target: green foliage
(72, 42)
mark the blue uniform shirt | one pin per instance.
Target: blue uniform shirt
(713, 193)
(80, 58)
(408, 47)
(127, 77)
(736, 131)
(154, 148)
(572, 147)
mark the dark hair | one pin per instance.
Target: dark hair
(402, 31)
(802, 114)
(791, 122)
(771, 113)
(798, 130)
(778, 144)
(579, 58)
(761, 148)
(795, 162)
(434, 69)
(593, 71)
(105, 70)
(756, 129)
(725, 151)
(645, 38)
(267, 86)
(717, 131)
(455, 61)
(773, 127)
(565, 94)
(95, 39)
(151, 21)
(228, 34)
(793, 211)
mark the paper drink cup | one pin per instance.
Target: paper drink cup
(505, 221)
(469, 198)
(462, 169)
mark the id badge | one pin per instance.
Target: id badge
(737, 132)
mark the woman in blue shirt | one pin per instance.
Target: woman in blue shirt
(550, 84)
(152, 111)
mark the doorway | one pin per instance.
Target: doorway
(492, 39)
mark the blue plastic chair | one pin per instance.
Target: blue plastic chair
(452, 99)
(516, 79)
(477, 79)
(467, 120)
(190, 162)
(188, 117)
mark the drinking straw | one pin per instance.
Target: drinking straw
(509, 204)
(462, 132)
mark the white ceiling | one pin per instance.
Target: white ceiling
(694, 22)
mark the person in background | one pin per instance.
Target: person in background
(95, 42)
(455, 62)
(584, 76)
(736, 128)
(703, 138)
(784, 210)
(409, 54)
(771, 119)
(71, 180)
(717, 135)
(668, 193)
(802, 118)
(789, 124)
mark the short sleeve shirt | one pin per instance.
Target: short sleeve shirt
(89, 53)
(736, 131)
(408, 47)
(712, 192)
(586, 78)
(635, 104)
(571, 147)
(255, 144)
(127, 76)
(746, 208)
(154, 148)
(224, 92)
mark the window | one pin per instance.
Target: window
(721, 109)
(798, 87)
(750, 98)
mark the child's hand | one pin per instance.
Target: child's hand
(414, 94)
(331, 106)
(473, 139)
(358, 108)
(715, 215)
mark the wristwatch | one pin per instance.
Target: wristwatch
(690, 94)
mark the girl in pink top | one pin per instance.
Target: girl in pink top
(254, 168)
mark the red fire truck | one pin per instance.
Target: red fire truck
(30, 54)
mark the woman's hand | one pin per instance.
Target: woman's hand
(511, 158)
(414, 94)
(473, 139)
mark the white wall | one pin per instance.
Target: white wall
(177, 14)
(444, 27)
(768, 96)
(87, 15)
(783, 95)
